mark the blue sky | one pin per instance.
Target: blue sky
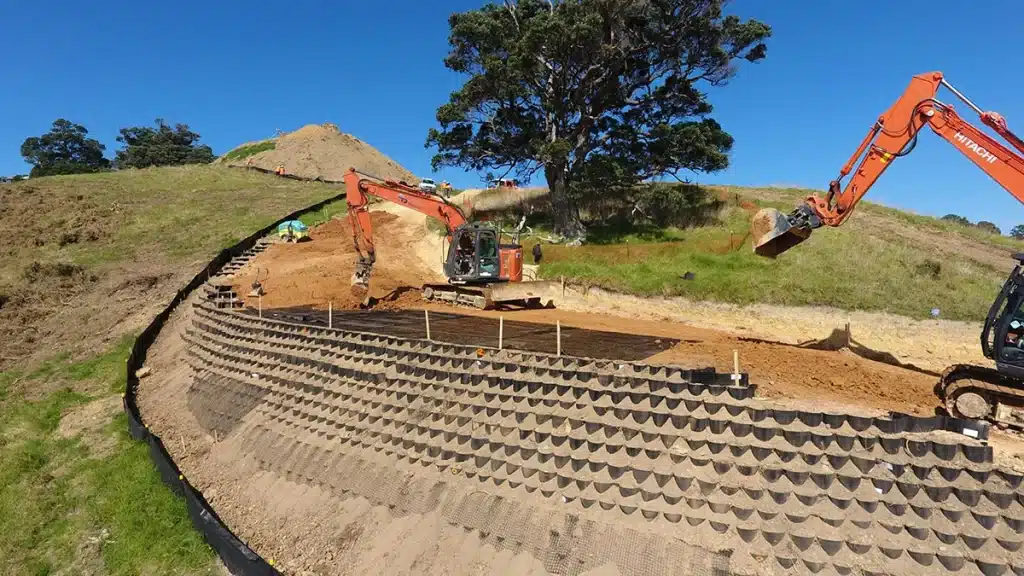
(237, 71)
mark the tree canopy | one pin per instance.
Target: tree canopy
(988, 227)
(599, 94)
(1017, 232)
(65, 149)
(957, 219)
(162, 145)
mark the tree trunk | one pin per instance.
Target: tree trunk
(567, 215)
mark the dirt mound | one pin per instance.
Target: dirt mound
(322, 151)
(318, 272)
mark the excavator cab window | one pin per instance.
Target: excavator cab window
(465, 254)
(487, 246)
(1010, 329)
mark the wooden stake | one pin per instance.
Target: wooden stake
(261, 306)
(330, 314)
(558, 337)
(501, 331)
(736, 367)
(426, 317)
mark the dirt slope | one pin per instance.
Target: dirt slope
(86, 259)
(322, 151)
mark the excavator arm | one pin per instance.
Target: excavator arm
(892, 136)
(359, 188)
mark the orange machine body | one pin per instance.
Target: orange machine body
(511, 258)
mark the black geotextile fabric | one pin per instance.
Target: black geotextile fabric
(236, 555)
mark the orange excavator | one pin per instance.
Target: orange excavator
(967, 391)
(481, 271)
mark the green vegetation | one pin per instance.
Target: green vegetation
(145, 147)
(86, 499)
(326, 214)
(882, 259)
(246, 151)
(79, 496)
(597, 99)
(65, 149)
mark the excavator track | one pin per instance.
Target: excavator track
(526, 294)
(980, 393)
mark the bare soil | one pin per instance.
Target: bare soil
(318, 272)
(322, 151)
(789, 353)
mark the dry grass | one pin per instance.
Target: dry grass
(86, 262)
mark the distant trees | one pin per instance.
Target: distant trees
(984, 225)
(65, 149)
(1017, 232)
(988, 227)
(162, 145)
(956, 219)
(599, 95)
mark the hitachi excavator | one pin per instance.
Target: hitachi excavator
(967, 391)
(481, 271)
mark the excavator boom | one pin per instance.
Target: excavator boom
(966, 391)
(892, 136)
(357, 191)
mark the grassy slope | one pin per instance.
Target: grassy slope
(881, 259)
(91, 502)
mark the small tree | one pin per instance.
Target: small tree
(161, 146)
(1018, 232)
(956, 219)
(988, 227)
(65, 149)
(599, 94)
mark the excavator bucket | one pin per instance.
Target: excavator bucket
(361, 279)
(773, 233)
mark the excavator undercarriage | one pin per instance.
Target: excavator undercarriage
(981, 393)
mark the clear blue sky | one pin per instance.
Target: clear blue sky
(237, 71)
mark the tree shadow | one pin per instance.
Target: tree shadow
(842, 339)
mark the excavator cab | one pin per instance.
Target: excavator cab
(475, 255)
(1002, 338)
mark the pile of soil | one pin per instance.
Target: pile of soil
(318, 272)
(322, 151)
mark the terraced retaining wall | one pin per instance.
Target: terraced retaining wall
(580, 462)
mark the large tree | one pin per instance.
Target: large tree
(162, 145)
(599, 94)
(65, 149)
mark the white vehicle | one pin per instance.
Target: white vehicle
(427, 185)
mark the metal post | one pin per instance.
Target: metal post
(501, 331)
(558, 337)
(426, 317)
(330, 314)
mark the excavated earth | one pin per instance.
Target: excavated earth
(340, 451)
(336, 452)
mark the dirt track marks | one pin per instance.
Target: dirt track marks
(563, 464)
